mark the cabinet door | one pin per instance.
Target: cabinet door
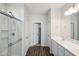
(54, 47)
(60, 51)
(67, 53)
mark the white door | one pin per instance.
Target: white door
(36, 37)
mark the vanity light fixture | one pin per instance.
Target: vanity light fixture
(72, 10)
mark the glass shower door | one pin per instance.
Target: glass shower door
(15, 38)
(10, 36)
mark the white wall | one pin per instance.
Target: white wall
(16, 9)
(42, 19)
(26, 33)
(55, 22)
(48, 24)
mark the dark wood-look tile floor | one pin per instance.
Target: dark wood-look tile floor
(39, 51)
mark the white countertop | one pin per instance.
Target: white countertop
(69, 45)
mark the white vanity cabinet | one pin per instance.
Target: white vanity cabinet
(54, 47)
(57, 49)
(60, 51)
(67, 53)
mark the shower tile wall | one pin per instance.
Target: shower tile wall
(15, 38)
(3, 35)
(6, 30)
(10, 37)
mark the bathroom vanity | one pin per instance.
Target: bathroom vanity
(64, 47)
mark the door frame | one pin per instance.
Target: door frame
(33, 30)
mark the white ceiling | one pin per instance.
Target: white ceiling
(41, 8)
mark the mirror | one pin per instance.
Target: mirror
(71, 21)
(74, 24)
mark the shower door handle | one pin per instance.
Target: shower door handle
(13, 43)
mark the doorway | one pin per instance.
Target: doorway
(37, 34)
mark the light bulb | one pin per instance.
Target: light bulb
(77, 6)
(67, 13)
(72, 10)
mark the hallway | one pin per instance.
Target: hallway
(39, 51)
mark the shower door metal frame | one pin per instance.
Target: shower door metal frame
(14, 18)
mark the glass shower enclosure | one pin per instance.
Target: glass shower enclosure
(10, 35)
